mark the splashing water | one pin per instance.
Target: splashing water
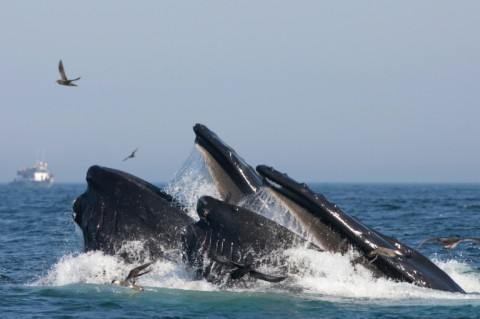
(310, 272)
(98, 268)
(266, 204)
(191, 182)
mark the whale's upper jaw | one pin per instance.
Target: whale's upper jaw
(108, 181)
(118, 208)
(112, 180)
(234, 178)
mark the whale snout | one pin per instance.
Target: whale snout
(78, 207)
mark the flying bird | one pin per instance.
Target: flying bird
(130, 279)
(64, 80)
(448, 242)
(131, 155)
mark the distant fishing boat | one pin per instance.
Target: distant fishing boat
(37, 176)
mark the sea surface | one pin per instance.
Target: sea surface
(45, 274)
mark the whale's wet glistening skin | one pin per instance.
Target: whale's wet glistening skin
(118, 207)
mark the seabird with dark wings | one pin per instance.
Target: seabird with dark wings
(64, 80)
(448, 242)
(131, 155)
(129, 281)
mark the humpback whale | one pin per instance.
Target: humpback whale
(392, 258)
(229, 242)
(326, 225)
(118, 207)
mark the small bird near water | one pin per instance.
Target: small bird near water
(383, 251)
(64, 80)
(448, 242)
(131, 155)
(129, 281)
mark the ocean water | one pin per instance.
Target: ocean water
(44, 273)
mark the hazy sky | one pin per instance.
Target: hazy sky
(326, 91)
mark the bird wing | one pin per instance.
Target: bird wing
(135, 272)
(426, 240)
(62, 71)
(133, 153)
(474, 239)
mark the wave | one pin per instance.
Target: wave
(310, 273)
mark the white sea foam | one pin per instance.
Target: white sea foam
(92, 267)
(98, 268)
(462, 274)
(312, 273)
(324, 273)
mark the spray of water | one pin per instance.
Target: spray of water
(191, 182)
(310, 273)
(265, 204)
(97, 268)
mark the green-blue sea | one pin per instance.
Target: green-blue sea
(45, 274)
